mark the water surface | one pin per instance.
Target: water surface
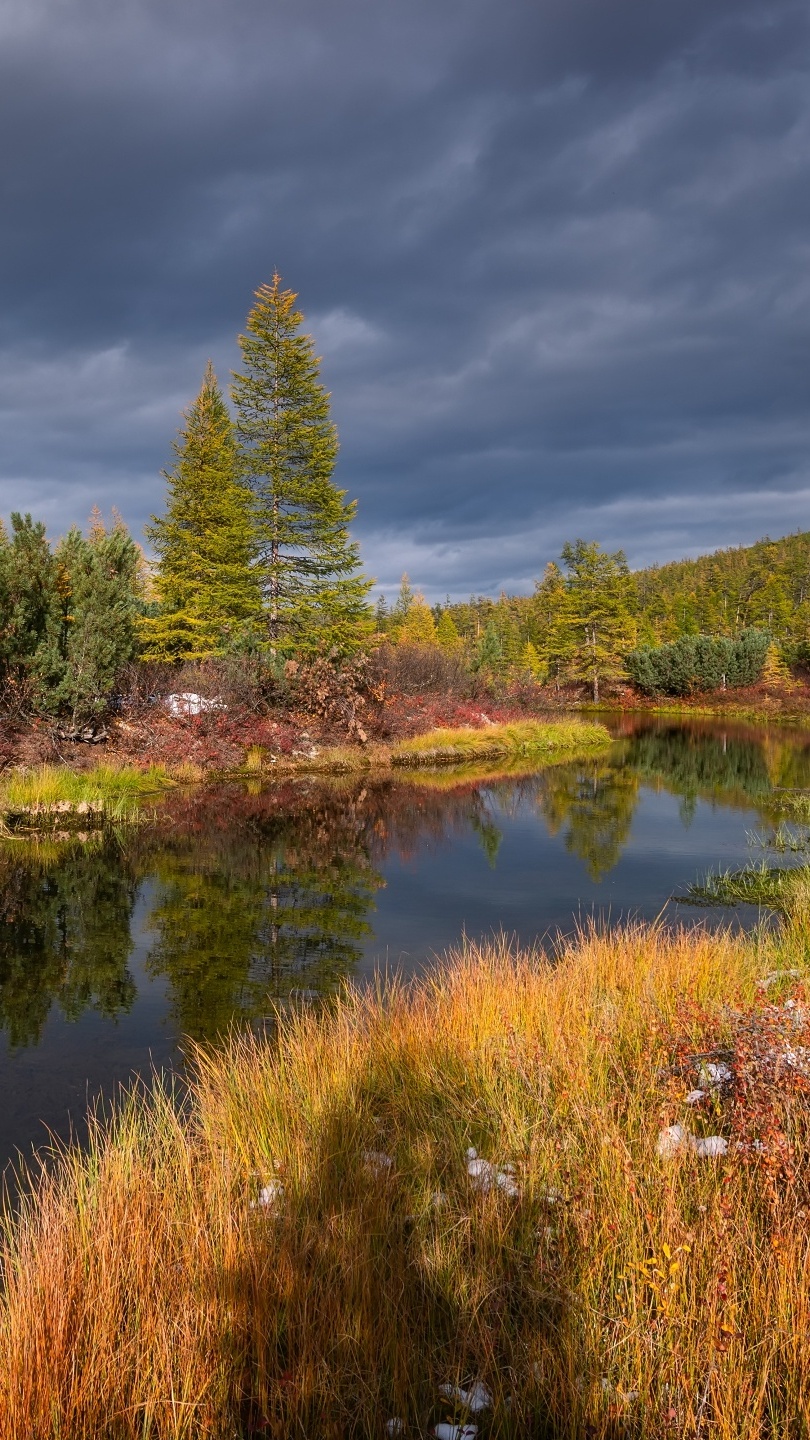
(236, 898)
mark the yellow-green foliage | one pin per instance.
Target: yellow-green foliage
(537, 738)
(252, 1263)
(110, 790)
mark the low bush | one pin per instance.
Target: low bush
(697, 663)
(426, 670)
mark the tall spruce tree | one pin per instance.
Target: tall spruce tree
(315, 595)
(207, 584)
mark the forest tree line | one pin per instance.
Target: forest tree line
(254, 557)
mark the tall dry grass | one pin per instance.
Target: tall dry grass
(249, 1263)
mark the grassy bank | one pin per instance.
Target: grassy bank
(312, 1248)
(535, 739)
(54, 795)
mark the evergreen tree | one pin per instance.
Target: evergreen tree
(490, 651)
(418, 627)
(310, 569)
(90, 633)
(551, 622)
(600, 595)
(446, 633)
(28, 595)
(381, 616)
(531, 662)
(401, 606)
(206, 584)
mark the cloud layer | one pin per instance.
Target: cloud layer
(555, 257)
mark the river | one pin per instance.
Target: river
(233, 899)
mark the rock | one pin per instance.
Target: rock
(708, 1146)
(676, 1138)
(485, 1176)
(711, 1075)
(187, 702)
(377, 1161)
(269, 1196)
(475, 1399)
(670, 1141)
(446, 1430)
(774, 976)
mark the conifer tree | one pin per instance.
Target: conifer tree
(601, 602)
(28, 579)
(381, 615)
(206, 584)
(490, 650)
(90, 633)
(315, 595)
(447, 633)
(418, 627)
(551, 617)
(775, 671)
(531, 662)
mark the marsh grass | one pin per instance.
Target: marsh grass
(150, 1292)
(55, 794)
(537, 739)
(772, 887)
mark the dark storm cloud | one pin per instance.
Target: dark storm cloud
(555, 256)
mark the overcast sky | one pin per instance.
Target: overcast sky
(555, 255)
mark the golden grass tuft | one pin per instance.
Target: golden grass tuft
(113, 791)
(538, 739)
(149, 1292)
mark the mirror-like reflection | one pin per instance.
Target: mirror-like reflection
(65, 939)
(235, 898)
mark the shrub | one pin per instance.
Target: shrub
(696, 663)
(424, 670)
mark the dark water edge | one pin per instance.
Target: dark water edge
(238, 898)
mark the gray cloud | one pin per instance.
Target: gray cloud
(554, 256)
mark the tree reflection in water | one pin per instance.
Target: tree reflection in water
(256, 893)
(65, 937)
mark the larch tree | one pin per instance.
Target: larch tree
(206, 584)
(447, 633)
(315, 595)
(419, 626)
(551, 623)
(600, 613)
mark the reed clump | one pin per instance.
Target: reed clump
(424, 1190)
(538, 739)
(55, 794)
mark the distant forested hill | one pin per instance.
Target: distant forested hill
(766, 585)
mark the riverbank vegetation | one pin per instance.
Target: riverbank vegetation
(548, 1198)
(257, 586)
(55, 795)
(540, 740)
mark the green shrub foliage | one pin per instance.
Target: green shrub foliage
(67, 617)
(697, 663)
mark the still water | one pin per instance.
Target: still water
(236, 897)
